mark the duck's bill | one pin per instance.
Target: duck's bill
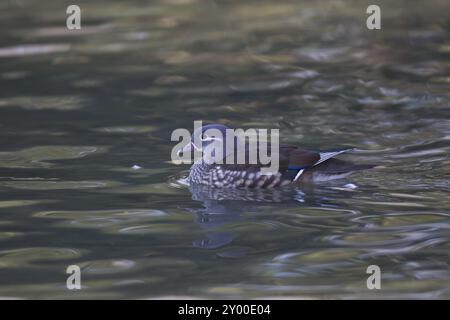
(186, 149)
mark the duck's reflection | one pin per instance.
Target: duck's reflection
(228, 205)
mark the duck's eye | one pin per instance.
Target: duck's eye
(204, 137)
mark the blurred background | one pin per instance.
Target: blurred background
(80, 108)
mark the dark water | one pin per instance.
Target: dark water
(79, 109)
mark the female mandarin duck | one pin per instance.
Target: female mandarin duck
(296, 165)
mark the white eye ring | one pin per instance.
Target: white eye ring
(205, 137)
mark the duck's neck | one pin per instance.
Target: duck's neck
(200, 172)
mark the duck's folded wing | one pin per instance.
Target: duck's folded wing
(300, 159)
(325, 155)
(297, 161)
(292, 161)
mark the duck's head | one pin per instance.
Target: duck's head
(205, 137)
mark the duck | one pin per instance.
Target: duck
(296, 165)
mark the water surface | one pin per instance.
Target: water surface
(79, 109)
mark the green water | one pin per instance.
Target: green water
(78, 109)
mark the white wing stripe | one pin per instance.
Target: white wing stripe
(327, 155)
(298, 175)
